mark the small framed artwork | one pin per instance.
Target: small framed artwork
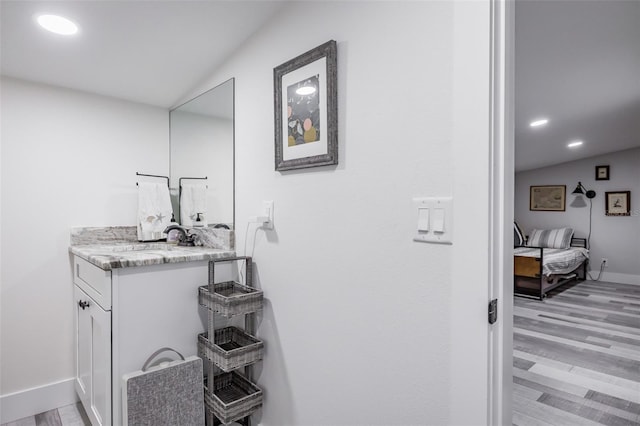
(547, 198)
(602, 172)
(306, 109)
(618, 203)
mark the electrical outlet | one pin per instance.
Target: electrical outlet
(605, 261)
(267, 210)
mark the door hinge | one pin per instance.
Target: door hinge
(493, 311)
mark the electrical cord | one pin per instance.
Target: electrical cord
(599, 273)
(589, 243)
(590, 219)
(253, 246)
(246, 232)
(244, 251)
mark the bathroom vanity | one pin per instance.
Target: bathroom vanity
(131, 299)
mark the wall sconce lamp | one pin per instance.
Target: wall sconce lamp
(590, 194)
(580, 189)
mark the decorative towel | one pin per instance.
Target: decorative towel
(154, 210)
(193, 201)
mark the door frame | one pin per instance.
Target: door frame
(500, 379)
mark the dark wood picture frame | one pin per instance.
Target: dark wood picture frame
(306, 123)
(617, 203)
(602, 172)
(547, 198)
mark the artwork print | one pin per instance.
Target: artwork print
(306, 109)
(618, 203)
(303, 111)
(547, 198)
(602, 172)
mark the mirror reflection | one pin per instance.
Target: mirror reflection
(202, 146)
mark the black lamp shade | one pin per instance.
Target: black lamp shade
(580, 190)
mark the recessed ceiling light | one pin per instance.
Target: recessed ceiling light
(575, 144)
(538, 123)
(57, 24)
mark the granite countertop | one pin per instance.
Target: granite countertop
(128, 254)
(108, 248)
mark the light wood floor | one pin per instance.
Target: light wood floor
(577, 356)
(70, 415)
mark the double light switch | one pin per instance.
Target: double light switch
(435, 220)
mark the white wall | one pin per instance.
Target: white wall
(68, 159)
(360, 322)
(614, 237)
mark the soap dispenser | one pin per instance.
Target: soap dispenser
(199, 223)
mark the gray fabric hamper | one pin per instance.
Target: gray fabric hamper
(170, 394)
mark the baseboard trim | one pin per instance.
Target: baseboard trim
(36, 400)
(615, 277)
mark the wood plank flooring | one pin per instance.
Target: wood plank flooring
(576, 356)
(70, 415)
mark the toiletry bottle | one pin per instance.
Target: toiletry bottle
(199, 223)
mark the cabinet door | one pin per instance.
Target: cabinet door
(83, 347)
(93, 358)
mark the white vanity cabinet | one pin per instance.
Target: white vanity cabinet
(122, 316)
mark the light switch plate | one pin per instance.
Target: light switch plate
(433, 235)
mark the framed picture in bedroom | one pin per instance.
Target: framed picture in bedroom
(547, 198)
(306, 109)
(618, 203)
(602, 172)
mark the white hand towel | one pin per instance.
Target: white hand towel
(193, 201)
(154, 210)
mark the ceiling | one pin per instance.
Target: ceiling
(152, 52)
(577, 63)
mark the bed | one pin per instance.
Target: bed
(548, 259)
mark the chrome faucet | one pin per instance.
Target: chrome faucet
(185, 239)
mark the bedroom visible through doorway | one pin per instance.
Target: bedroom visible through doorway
(576, 339)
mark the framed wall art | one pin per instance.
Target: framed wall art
(602, 172)
(547, 198)
(306, 109)
(618, 203)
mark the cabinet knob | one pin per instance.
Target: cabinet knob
(83, 304)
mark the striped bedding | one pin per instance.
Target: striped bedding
(556, 261)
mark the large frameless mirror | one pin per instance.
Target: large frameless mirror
(202, 152)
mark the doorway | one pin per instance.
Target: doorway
(575, 354)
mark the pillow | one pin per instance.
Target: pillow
(518, 238)
(551, 238)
